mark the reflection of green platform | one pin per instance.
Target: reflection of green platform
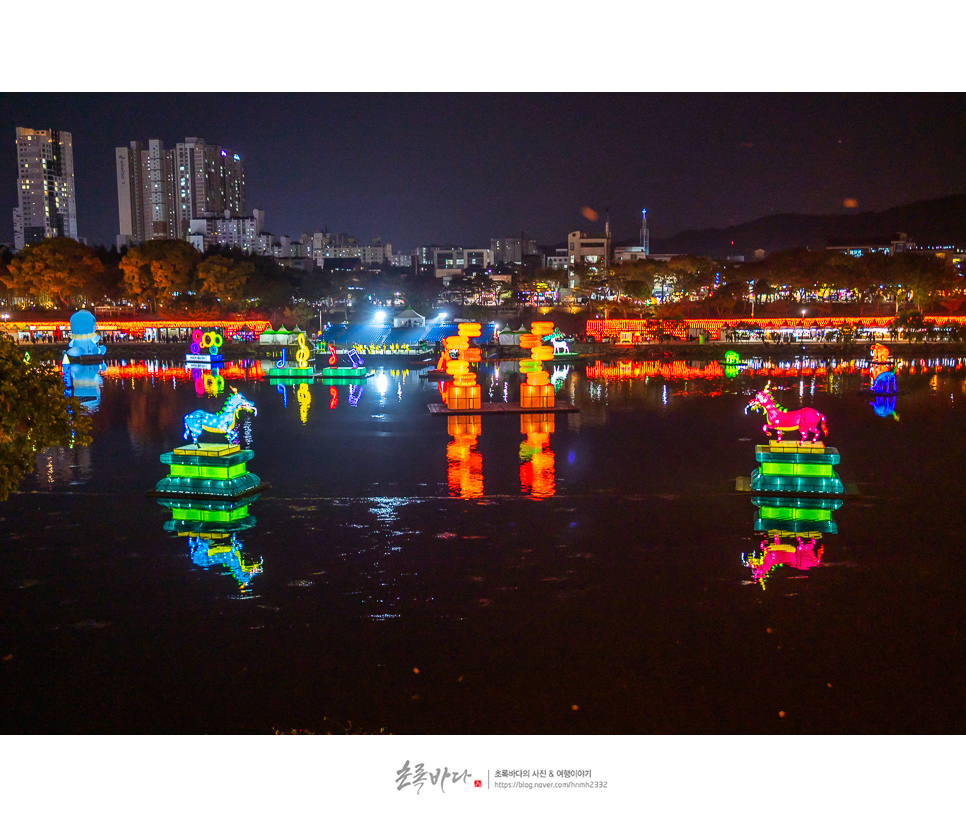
(194, 515)
(210, 470)
(796, 515)
(345, 373)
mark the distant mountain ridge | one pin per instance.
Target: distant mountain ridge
(938, 222)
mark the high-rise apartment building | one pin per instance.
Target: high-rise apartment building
(511, 250)
(46, 203)
(159, 192)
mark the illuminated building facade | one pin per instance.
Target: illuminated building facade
(160, 191)
(510, 250)
(450, 262)
(232, 232)
(47, 206)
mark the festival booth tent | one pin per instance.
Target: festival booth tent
(408, 318)
(508, 336)
(282, 336)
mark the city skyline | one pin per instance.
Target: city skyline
(450, 169)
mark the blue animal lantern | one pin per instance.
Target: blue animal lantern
(84, 341)
(221, 423)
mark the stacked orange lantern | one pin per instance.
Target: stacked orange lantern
(464, 465)
(464, 393)
(537, 391)
(537, 475)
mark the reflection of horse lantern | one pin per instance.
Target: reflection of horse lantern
(883, 375)
(801, 556)
(805, 420)
(221, 423)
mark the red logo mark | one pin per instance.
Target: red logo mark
(477, 783)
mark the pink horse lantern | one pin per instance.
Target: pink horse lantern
(801, 556)
(806, 421)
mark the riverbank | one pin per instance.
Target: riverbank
(176, 351)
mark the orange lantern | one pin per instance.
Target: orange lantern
(472, 329)
(542, 328)
(456, 343)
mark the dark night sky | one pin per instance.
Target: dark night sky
(461, 168)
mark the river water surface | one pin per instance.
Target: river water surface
(591, 575)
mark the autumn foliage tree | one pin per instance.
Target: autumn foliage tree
(57, 267)
(223, 277)
(157, 270)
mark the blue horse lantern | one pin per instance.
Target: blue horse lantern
(221, 423)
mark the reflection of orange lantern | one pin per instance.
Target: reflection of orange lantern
(457, 366)
(464, 466)
(465, 428)
(537, 475)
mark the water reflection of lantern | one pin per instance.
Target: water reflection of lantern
(212, 549)
(802, 556)
(464, 465)
(537, 474)
(537, 391)
(305, 400)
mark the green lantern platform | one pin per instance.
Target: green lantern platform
(790, 467)
(208, 470)
(291, 374)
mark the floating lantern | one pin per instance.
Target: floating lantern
(223, 422)
(205, 345)
(537, 391)
(464, 393)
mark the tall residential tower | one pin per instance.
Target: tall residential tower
(159, 192)
(45, 174)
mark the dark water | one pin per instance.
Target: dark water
(590, 581)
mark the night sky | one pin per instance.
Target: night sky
(460, 169)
